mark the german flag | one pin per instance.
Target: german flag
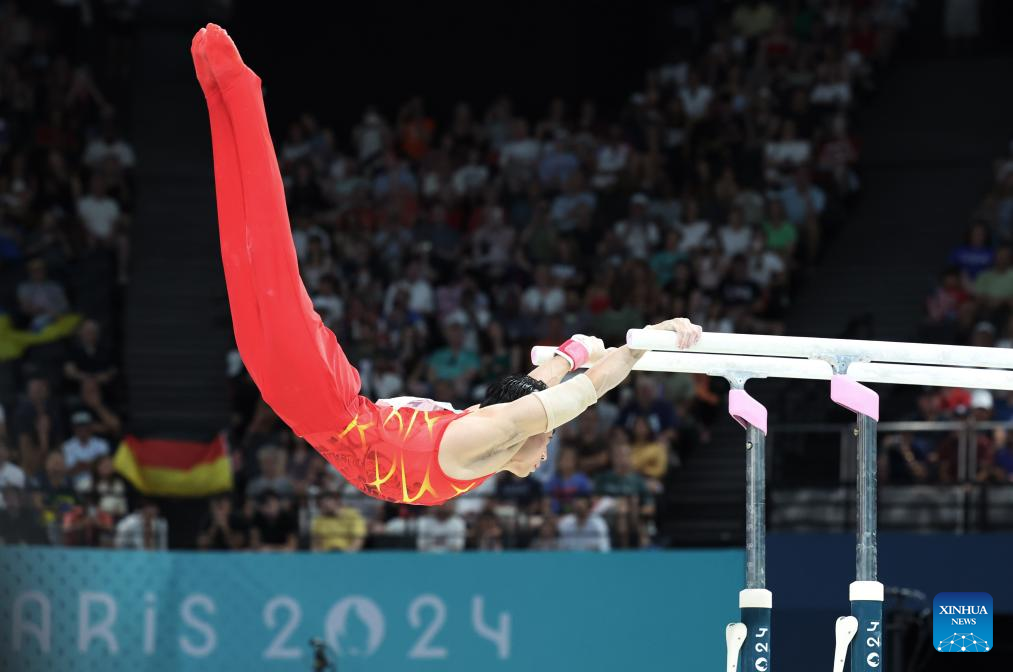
(168, 468)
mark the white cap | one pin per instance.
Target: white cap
(981, 399)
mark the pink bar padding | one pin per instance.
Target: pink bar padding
(747, 411)
(854, 396)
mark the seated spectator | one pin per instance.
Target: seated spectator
(904, 461)
(273, 527)
(20, 522)
(694, 228)
(627, 527)
(622, 481)
(544, 297)
(736, 237)
(943, 305)
(110, 488)
(525, 493)
(52, 493)
(802, 199)
(696, 97)
(88, 525)
(272, 478)
(587, 435)
(650, 405)
(37, 426)
(995, 285)
(143, 529)
(547, 538)
(649, 455)
(402, 529)
(99, 212)
(109, 146)
(611, 160)
(638, 233)
(786, 153)
(488, 532)
(11, 475)
(782, 234)
(337, 527)
(1000, 468)
(42, 300)
(441, 530)
(89, 358)
(518, 156)
(83, 450)
(567, 482)
(764, 263)
(222, 528)
(583, 530)
(454, 363)
(947, 455)
(975, 255)
(664, 261)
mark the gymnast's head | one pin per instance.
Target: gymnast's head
(533, 452)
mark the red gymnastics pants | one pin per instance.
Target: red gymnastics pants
(294, 359)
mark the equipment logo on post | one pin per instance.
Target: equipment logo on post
(962, 622)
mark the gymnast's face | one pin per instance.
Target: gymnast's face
(532, 453)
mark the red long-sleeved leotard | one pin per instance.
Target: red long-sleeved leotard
(386, 451)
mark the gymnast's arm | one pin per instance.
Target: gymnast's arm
(485, 440)
(551, 372)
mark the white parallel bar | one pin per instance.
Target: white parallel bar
(723, 366)
(828, 348)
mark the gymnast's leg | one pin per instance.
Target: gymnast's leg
(303, 373)
(232, 232)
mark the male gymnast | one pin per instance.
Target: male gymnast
(406, 450)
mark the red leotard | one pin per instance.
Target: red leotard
(386, 452)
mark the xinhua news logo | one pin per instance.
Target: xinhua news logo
(962, 622)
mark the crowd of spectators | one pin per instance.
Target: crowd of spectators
(972, 304)
(65, 201)
(440, 250)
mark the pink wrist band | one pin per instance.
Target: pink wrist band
(573, 352)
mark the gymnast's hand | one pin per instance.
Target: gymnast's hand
(688, 333)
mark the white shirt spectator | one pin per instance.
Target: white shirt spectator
(735, 241)
(441, 536)
(545, 300)
(639, 236)
(591, 535)
(693, 234)
(831, 93)
(793, 152)
(75, 452)
(696, 101)
(99, 214)
(763, 267)
(524, 152)
(469, 178)
(130, 532)
(99, 149)
(421, 297)
(330, 307)
(610, 163)
(668, 211)
(11, 476)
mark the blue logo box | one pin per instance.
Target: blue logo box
(962, 623)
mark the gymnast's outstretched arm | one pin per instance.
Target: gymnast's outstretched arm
(295, 360)
(490, 437)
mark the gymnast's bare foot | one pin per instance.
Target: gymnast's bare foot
(223, 58)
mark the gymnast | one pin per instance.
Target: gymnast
(407, 450)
